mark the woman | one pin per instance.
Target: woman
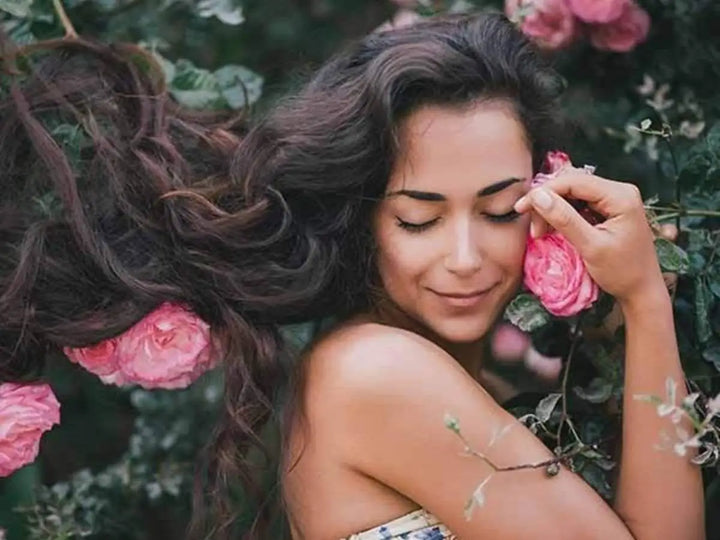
(392, 192)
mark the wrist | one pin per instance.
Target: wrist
(652, 301)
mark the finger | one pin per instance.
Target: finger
(559, 214)
(608, 197)
(538, 226)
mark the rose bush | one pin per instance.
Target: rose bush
(624, 33)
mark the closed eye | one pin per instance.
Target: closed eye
(416, 227)
(512, 215)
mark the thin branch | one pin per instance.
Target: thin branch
(687, 213)
(70, 32)
(573, 346)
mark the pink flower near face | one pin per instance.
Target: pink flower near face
(597, 11)
(26, 412)
(623, 34)
(555, 161)
(549, 23)
(100, 359)
(169, 348)
(556, 274)
(509, 343)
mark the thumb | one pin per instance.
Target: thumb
(559, 214)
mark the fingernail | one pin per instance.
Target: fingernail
(520, 204)
(533, 232)
(542, 199)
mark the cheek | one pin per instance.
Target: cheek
(402, 260)
(506, 247)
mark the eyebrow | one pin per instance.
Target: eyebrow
(430, 196)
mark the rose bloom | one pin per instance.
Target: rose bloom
(623, 34)
(26, 412)
(169, 348)
(100, 359)
(550, 23)
(556, 274)
(597, 11)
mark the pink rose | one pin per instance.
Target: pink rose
(549, 23)
(100, 359)
(623, 34)
(555, 161)
(169, 348)
(556, 274)
(26, 412)
(597, 11)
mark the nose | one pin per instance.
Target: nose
(464, 256)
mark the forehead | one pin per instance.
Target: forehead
(450, 150)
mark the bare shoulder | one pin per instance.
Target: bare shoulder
(377, 400)
(373, 358)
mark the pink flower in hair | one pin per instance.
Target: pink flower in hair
(26, 412)
(100, 359)
(169, 348)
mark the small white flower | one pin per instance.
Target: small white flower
(713, 405)
(691, 130)
(647, 87)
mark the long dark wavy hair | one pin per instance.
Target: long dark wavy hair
(114, 199)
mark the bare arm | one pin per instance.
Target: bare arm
(659, 493)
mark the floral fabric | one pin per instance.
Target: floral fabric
(417, 525)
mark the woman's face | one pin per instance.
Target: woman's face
(450, 246)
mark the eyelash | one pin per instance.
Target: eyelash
(511, 216)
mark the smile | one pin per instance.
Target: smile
(463, 299)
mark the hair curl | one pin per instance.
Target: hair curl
(114, 199)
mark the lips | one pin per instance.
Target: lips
(463, 299)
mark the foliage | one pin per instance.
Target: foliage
(126, 457)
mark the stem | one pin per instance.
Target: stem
(564, 416)
(684, 213)
(70, 32)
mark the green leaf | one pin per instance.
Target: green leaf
(712, 355)
(598, 391)
(527, 313)
(16, 8)
(671, 257)
(546, 406)
(239, 85)
(702, 310)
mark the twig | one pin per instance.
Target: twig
(70, 32)
(582, 447)
(684, 213)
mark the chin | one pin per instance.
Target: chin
(467, 331)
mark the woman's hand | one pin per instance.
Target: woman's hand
(619, 253)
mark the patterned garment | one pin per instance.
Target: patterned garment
(417, 525)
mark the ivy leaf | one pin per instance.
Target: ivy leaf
(225, 10)
(527, 313)
(702, 310)
(546, 406)
(671, 257)
(239, 85)
(16, 8)
(598, 391)
(712, 355)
